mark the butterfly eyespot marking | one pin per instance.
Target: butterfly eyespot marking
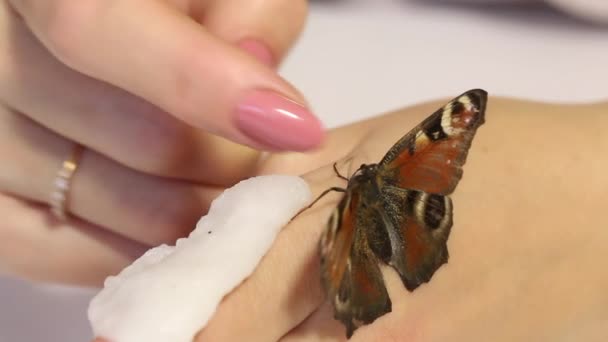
(439, 128)
(457, 109)
(449, 116)
(421, 139)
(334, 221)
(420, 206)
(343, 294)
(465, 100)
(344, 291)
(328, 237)
(434, 211)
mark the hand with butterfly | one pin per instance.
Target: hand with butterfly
(525, 250)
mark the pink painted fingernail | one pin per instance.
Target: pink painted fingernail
(258, 50)
(277, 122)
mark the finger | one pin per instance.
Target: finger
(109, 120)
(34, 246)
(339, 142)
(285, 287)
(319, 326)
(265, 28)
(141, 207)
(165, 57)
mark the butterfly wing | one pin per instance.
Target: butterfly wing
(418, 225)
(349, 269)
(415, 177)
(407, 229)
(430, 157)
(337, 242)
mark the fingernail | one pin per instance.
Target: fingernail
(258, 50)
(277, 122)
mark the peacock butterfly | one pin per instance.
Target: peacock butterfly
(397, 212)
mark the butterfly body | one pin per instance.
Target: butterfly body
(397, 212)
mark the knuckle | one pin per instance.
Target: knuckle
(160, 148)
(137, 134)
(175, 215)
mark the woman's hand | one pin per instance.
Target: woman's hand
(147, 87)
(526, 247)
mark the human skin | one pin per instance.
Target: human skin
(526, 250)
(186, 58)
(167, 97)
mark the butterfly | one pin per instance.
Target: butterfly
(397, 212)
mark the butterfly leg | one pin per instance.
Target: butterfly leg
(338, 172)
(334, 188)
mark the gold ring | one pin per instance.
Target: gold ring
(61, 186)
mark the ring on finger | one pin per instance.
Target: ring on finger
(59, 199)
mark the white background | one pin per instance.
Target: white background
(359, 58)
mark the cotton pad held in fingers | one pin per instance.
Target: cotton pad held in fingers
(171, 292)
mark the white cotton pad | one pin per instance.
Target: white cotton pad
(170, 293)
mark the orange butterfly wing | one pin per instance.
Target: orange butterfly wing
(416, 175)
(418, 226)
(430, 157)
(349, 269)
(337, 242)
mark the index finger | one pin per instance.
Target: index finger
(154, 51)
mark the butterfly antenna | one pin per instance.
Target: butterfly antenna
(335, 188)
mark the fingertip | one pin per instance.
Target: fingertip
(276, 23)
(278, 123)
